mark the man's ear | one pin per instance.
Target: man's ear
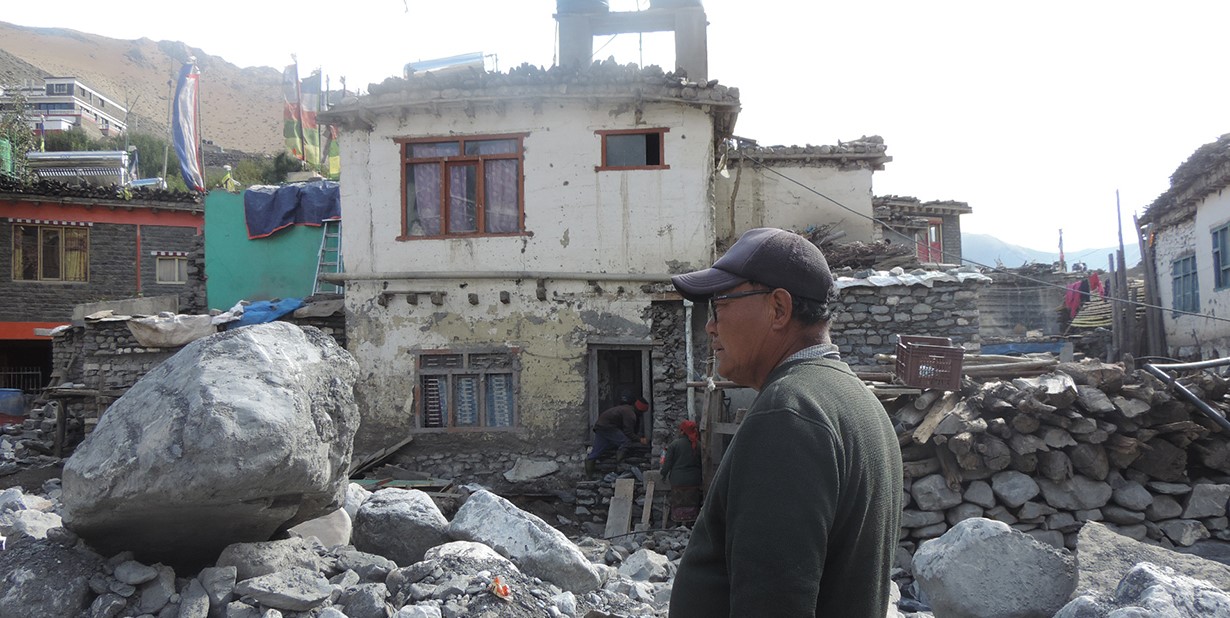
(781, 304)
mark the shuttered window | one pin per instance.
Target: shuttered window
(475, 390)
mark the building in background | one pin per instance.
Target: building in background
(63, 103)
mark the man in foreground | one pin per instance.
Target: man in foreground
(802, 516)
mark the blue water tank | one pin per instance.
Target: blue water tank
(12, 402)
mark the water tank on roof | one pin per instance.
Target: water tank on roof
(582, 6)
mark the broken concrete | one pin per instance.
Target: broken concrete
(265, 411)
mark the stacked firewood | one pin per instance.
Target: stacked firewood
(1079, 429)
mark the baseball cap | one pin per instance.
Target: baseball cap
(776, 258)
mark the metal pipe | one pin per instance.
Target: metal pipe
(687, 342)
(525, 274)
(1203, 406)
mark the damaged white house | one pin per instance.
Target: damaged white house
(1188, 233)
(509, 238)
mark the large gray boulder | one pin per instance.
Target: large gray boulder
(235, 437)
(1151, 590)
(255, 559)
(399, 524)
(533, 545)
(1105, 555)
(985, 568)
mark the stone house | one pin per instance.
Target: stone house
(65, 246)
(1188, 232)
(933, 227)
(509, 239)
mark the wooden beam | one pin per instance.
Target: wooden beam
(619, 516)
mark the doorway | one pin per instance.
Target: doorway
(614, 369)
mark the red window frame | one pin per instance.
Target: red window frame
(659, 131)
(405, 144)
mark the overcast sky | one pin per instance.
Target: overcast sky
(1033, 113)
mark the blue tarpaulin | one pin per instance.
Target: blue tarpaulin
(268, 209)
(262, 311)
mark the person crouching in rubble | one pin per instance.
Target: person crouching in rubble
(681, 466)
(802, 516)
(617, 426)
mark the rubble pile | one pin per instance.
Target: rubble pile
(1086, 442)
(520, 567)
(30, 444)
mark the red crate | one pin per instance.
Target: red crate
(929, 362)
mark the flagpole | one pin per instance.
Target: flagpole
(319, 150)
(166, 147)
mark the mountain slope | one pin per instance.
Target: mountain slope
(989, 250)
(241, 109)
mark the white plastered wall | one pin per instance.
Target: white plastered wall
(766, 199)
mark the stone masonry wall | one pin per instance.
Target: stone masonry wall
(164, 238)
(867, 316)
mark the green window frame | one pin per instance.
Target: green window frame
(1185, 285)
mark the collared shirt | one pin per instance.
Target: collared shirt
(822, 350)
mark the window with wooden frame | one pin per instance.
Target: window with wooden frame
(468, 390)
(172, 269)
(51, 253)
(1185, 288)
(1221, 257)
(634, 149)
(469, 186)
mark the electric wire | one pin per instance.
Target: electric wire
(1114, 299)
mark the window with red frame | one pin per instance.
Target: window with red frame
(463, 186)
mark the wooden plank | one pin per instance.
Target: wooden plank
(725, 428)
(938, 411)
(647, 510)
(619, 517)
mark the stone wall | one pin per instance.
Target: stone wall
(868, 316)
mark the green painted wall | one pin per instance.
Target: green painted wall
(278, 266)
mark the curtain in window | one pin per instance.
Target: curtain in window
(500, 183)
(424, 215)
(50, 245)
(76, 254)
(462, 191)
(467, 401)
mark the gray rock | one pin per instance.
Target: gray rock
(1184, 532)
(1105, 556)
(41, 578)
(567, 603)
(10, 500)
(911, 518)
(984, 568)
(932, 493)
(1163, 508)
(962, 512)
(535, 547)
(1170, 489)
(329, 530)
(471, 552)
(1032, 510)
(418, 611)
(331, 612)
(195, 601)
(1119, 515)
(530, 469)
(35, 524)
(1078, 493)
(367, 567)
(647, 566)
(979, 492)
(1206, 500)
(1132, 495)
(156, 593)
(219, 583)
(134, 573)
(366, 601)
(256, 559)
(356, 495)
(295, 589)
(108, 605)
(277, 435)
(1013, 488)
(239, 609)
(1151, 590)
(400, 525)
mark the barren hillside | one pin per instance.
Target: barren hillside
(241, 109)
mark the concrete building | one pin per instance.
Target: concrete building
(509, 239)
(1189, 229)
(62, 103)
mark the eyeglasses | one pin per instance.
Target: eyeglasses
(713, 308)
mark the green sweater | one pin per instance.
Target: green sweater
(803, 514)
(681, 464)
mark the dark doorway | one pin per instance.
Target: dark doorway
(616, 369)
(25, 365)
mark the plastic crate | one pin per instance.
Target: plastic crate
(929, 362)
